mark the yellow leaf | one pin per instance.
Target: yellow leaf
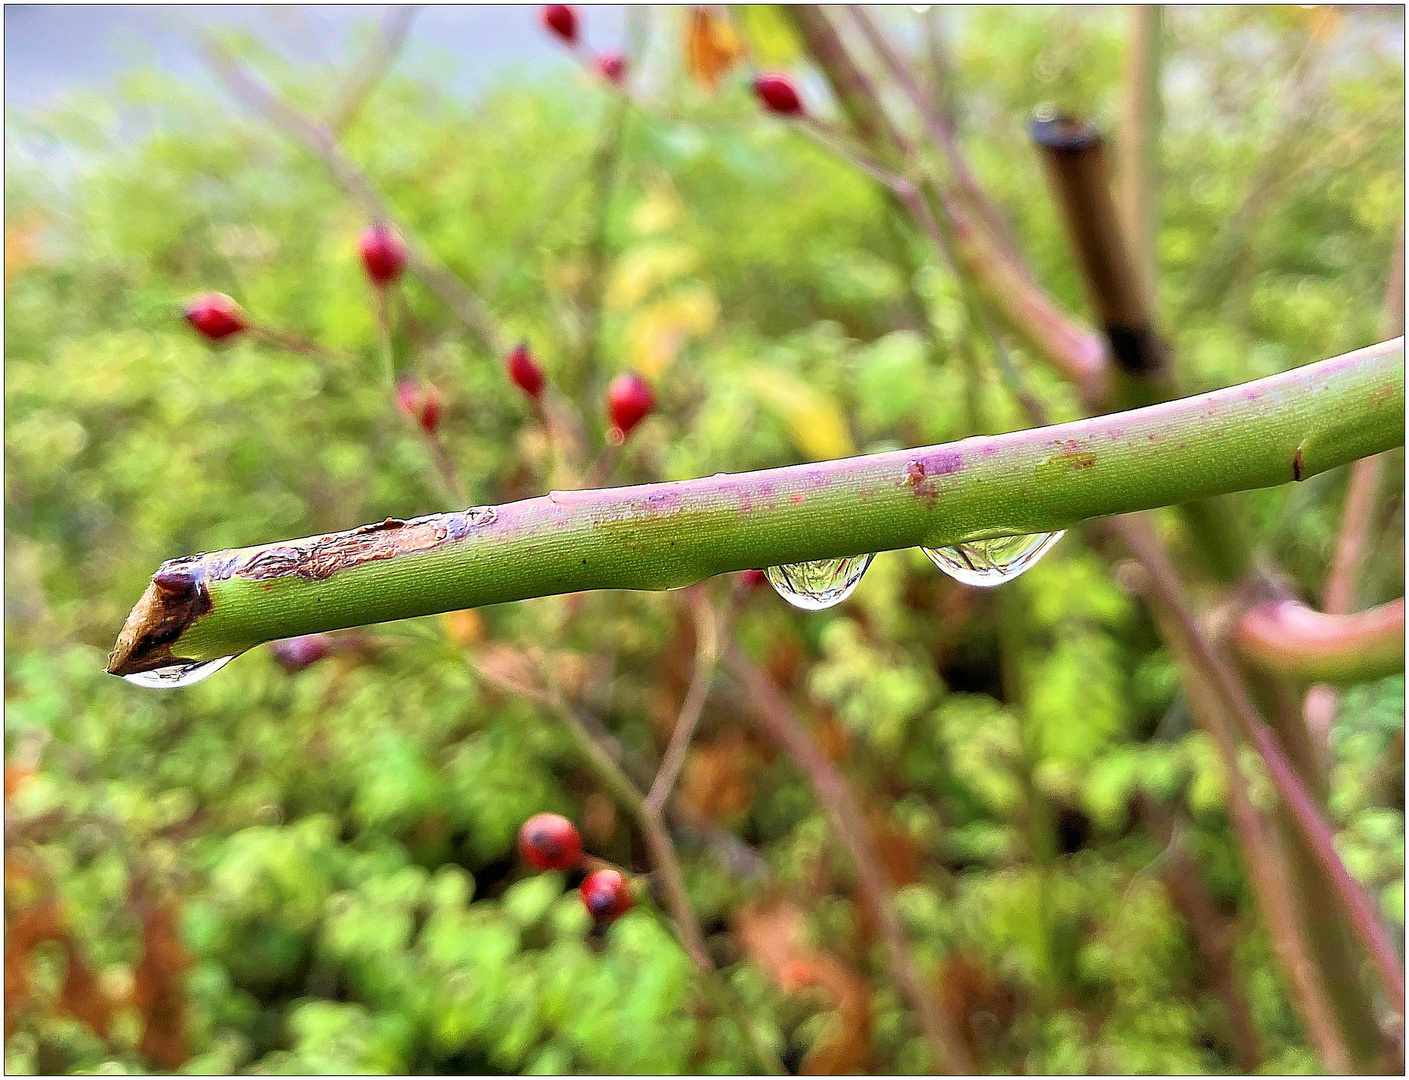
(656, 334)
(814, 420)
(1322, 21)
(770, 38)
(465, 627)
(644, 269)
(712, 47)
(659, 210)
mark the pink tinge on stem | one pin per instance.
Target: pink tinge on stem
(1287, 637)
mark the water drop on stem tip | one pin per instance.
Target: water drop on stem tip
(177, 675)
(986, 563)
(821, 584)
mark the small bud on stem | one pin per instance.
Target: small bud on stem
(421, 402)
(215, 316)
(560, 20)
(383, 253)
(524, 372)
(778, 94)
(607, 895)
(612, 68)
(629, 401)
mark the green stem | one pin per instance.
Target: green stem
(660, 536)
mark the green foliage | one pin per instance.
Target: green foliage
(341, 839)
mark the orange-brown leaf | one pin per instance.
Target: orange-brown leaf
(717, 781)
(712, 47)
(158, 986)
(773, 936)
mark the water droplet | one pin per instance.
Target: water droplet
(813, 586)
(184, 674)
(986, 563)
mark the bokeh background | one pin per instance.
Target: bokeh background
(306, 863)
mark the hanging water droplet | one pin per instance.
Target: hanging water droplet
(813, 586)
(184, 674)
(986, 563)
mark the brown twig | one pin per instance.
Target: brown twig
(1212, 932)
(1075, 157)
(940, 126)
(1264, 860)
(777, 721)
(904, 191)
(321, 141)
(372, 67)
(1074, 351)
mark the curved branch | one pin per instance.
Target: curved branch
(659, 536)
(1289, 639)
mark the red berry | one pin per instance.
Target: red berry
(612, 67)
(629, 401)
(561, 20)
(524, 372)
(550, 842)
(215, 316)
(606, 895)
(383, 253)
(421, 402)
(778, 93)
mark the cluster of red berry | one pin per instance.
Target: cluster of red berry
(629, 399)
(776, 91)
(560, 20)
(384, 256)
(551, 842)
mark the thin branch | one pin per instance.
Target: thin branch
(320, 140)
(1209, 280)
(1357, 516)
(940, 126)
(709, 630)
(1314, 832)
(667, 535)
(1264, 860)
(777, 720)
(1213, 933)
(447, 480)
(1138, 146)
(369, 69)
(604, 169)
(1078, 354)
